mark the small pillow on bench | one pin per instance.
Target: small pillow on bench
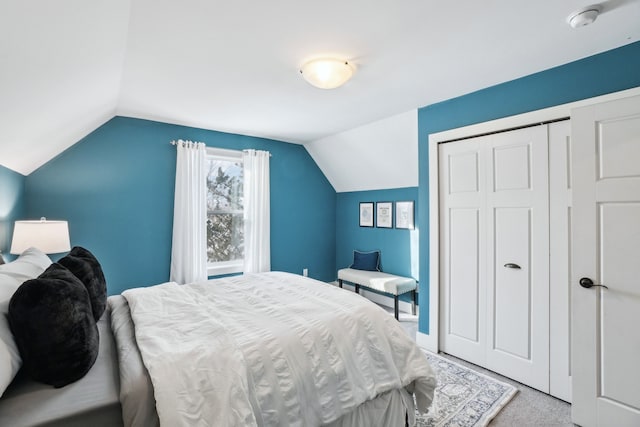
(369, 261)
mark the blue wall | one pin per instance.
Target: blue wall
(607, 72)
(115, 187)
(398, 248)
(12, 206)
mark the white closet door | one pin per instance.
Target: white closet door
(494, 228)
(462, 248)
(606, 251)
(560, 188)
(518, 256)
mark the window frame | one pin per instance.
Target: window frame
(225, 267)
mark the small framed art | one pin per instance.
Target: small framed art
(366, 214)
(384, 214)
(405, 215)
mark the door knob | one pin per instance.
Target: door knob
(587, 283)
(512, 265)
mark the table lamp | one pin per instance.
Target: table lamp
(51, 237)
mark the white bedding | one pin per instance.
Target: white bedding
(274, 349)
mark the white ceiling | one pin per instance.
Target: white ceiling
(68, 66)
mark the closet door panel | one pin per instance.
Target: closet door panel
(518, 236)
(560, 259)
(511, 168)
(511, 315)
(464, 274)
(462, 243)
(463, 172)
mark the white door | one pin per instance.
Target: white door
(560, 188)
(494, 222)
(462, 248)
(606, 251)
(518, 256)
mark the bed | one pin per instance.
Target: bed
(91, 401)
(267, 349)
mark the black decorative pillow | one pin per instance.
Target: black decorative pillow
(86, 267)
(52, 322)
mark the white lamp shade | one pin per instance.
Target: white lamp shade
(327, 73)
(51, 237)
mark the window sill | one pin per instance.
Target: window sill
(221, 268)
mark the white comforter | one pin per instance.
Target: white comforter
(274, 349)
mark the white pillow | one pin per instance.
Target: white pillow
(29, 265)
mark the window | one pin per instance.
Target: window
(225, 224)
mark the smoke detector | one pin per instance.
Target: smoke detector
(584, 16)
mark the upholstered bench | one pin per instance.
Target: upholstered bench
(382, 282)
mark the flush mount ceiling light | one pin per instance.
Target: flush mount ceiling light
(327, 73)
(584, 16)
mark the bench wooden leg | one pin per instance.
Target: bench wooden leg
(340, 282)
(395, 307)
(414, 297)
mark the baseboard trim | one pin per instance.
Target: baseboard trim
(428, 342)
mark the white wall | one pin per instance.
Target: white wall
(376, 156)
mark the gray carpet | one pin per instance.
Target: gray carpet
(529, 407)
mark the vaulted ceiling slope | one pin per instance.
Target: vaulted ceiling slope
(70, 65)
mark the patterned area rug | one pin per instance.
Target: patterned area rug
(463, 397)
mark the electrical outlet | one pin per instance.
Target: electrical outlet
(305, 272)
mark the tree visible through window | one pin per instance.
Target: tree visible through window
(225, 228)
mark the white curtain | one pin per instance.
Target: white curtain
(257, 225)
(189, 245)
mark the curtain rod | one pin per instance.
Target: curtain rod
(174, 142)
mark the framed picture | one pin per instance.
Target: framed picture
(404, 215)
(384, 214)
(366, 214)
